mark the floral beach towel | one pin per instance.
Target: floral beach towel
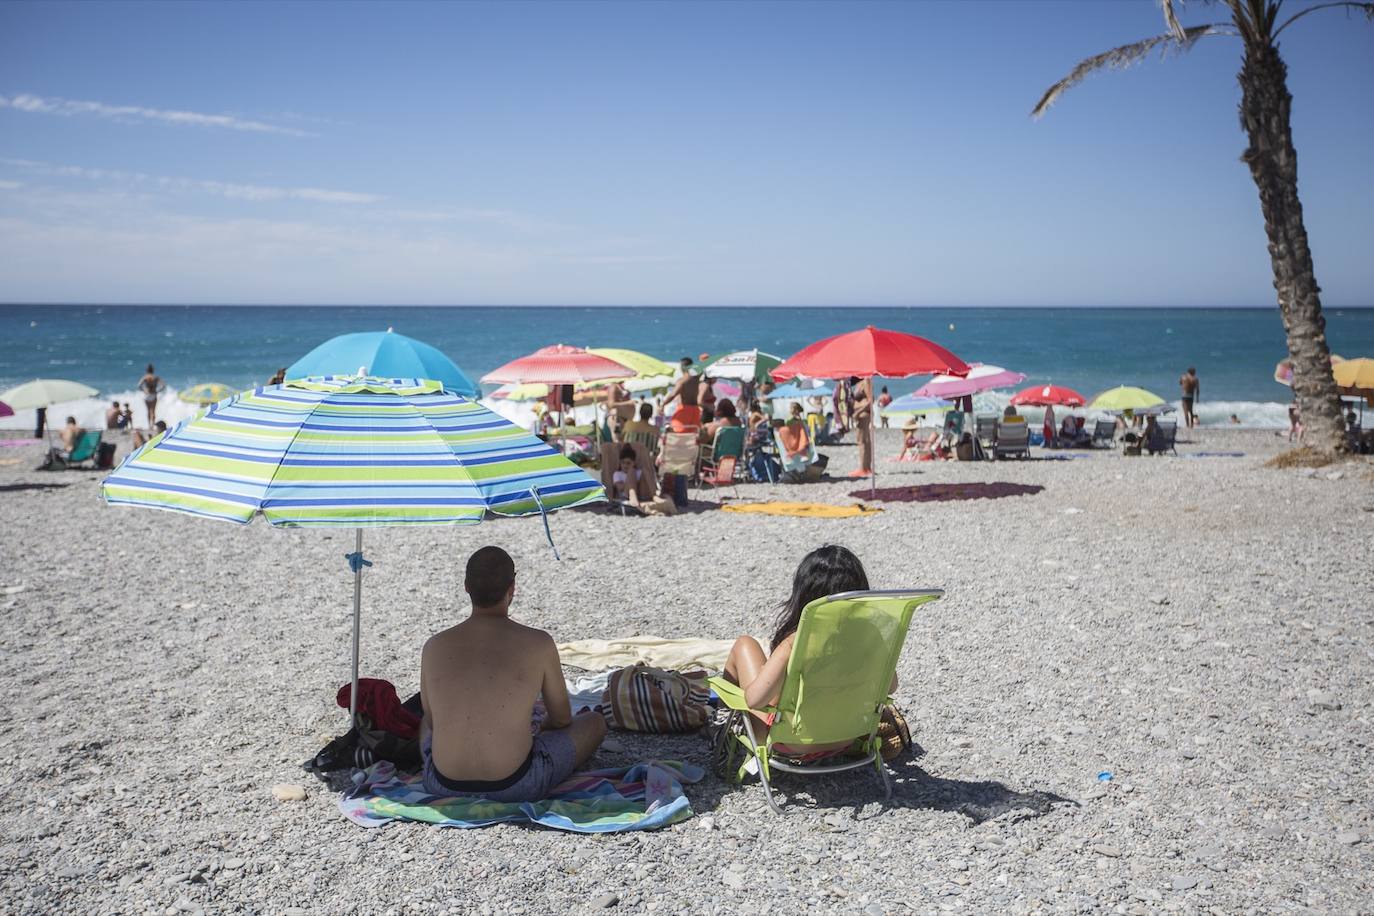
(645, 796)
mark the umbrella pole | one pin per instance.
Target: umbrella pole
(357, 618)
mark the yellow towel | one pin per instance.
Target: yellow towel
(802, 510)
(677, 654)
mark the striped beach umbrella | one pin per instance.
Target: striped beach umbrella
(349, 452)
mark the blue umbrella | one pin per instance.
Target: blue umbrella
(385, 354)
(911, 403)
(794, 390)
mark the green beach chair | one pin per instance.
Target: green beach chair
(837, 682)
(87, 448)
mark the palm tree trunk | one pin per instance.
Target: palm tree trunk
(1264, 114)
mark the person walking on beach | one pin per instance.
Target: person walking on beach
(884, 399)
(151, 386)
(1188, 381)
(479, 681)
(687, 417)
(862, 414)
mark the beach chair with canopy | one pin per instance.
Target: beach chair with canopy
(1013, 439)
(838, 676)
(1104, 434)
(86, 449)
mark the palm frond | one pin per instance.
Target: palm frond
(1127, 56)
(1366, 8)
(1171, 20)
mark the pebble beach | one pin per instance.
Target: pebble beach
(1148, 688)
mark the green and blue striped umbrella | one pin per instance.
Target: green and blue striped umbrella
(339, 451)
(353, 452)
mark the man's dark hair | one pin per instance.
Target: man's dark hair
(646, 411)
(1192, 371)
(686, 361)
(490, 574)
(71, 419)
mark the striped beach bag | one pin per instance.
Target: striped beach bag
(644, 699)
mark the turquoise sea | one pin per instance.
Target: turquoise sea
(1234, 350)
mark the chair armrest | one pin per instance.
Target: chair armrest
(732, 695)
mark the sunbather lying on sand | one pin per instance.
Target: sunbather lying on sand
(479, 681)
(824, 571)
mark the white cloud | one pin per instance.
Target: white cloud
(231, 190)
(6, 185)
(73, 108)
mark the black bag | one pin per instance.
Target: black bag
(105, 456)
(362, 746)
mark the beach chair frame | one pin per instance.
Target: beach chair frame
(1104, 434)
(1014, 445)
(1166, 434)
(789, 714)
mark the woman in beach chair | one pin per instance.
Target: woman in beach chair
(820, 692)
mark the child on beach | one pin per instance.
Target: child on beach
(625, 480)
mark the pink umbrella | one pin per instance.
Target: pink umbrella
(559, 364)
(980, 378)
(6, 410)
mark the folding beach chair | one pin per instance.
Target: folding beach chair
(838, 675)
(985, 429)
(1162, 440)
(797, 465)
(87, 448)
(647, 439)
(1104, 434)
(1013, 439)
(679, 454)
(726, 450)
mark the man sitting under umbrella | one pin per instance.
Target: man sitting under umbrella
(479, 681)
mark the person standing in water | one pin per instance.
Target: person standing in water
(1191, 386)
(151, 385)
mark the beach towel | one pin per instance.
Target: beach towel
(678, 654)
(645, 796)
(944, 492)
(802, 510)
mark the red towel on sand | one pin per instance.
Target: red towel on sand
(378, 701)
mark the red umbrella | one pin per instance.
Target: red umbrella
(558, 365)
(869, 352)
(1047, 395)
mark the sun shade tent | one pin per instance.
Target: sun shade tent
(349, 452)
(383, 354)
(842, 663)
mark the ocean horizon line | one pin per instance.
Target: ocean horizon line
(777, 306)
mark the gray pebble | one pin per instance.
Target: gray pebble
(605, 901)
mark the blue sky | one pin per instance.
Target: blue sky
(657, 154)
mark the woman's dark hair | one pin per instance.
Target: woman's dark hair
(628, 451)
(824, 571)
(726, 409)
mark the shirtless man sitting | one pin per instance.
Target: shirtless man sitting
(478, 683)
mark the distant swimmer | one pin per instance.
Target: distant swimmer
(151, 385)
(1188, 381)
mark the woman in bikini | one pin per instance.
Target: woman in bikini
(151, 386)
(824, 571)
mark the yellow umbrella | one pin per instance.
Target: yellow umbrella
(1125, 397)
(1355, 377)
(642, 363)
(206, 393)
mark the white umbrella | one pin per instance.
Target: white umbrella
(44, 392)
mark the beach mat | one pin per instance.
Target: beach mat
(802, 510)
(946, 492)
(645, 796)
(655, 651)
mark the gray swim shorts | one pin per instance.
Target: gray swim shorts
(552, 758)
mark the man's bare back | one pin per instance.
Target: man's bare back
(478, 684)
(479, 681)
